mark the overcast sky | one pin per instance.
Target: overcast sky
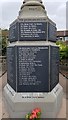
(56, 10)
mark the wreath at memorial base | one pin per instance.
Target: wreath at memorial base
(34, 115)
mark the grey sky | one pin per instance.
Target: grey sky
(56, 10)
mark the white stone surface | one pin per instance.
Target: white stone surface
(19, 104)
(32, 43)
(32, 9)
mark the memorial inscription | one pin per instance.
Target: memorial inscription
(13, 32)
(32, 66)
(51, 32)
(32, 30)
(21, 31)
(11, 67)
(54, 66)
(29, 70)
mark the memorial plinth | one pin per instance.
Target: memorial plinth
(33, 63)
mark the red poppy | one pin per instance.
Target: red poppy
(37, 110)
(34, 116)
(34, 112)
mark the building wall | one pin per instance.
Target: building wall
(67, 15)
(62, 35)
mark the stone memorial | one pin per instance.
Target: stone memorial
(33, 63)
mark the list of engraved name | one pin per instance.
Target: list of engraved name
(28, 62)
(31, 30)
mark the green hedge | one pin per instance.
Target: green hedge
(63, 49)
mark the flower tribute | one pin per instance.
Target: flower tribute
(34, 115)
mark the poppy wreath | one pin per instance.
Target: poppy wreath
(34, 115)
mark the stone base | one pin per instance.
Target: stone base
(19, 104)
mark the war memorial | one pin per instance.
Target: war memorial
(33, 63)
